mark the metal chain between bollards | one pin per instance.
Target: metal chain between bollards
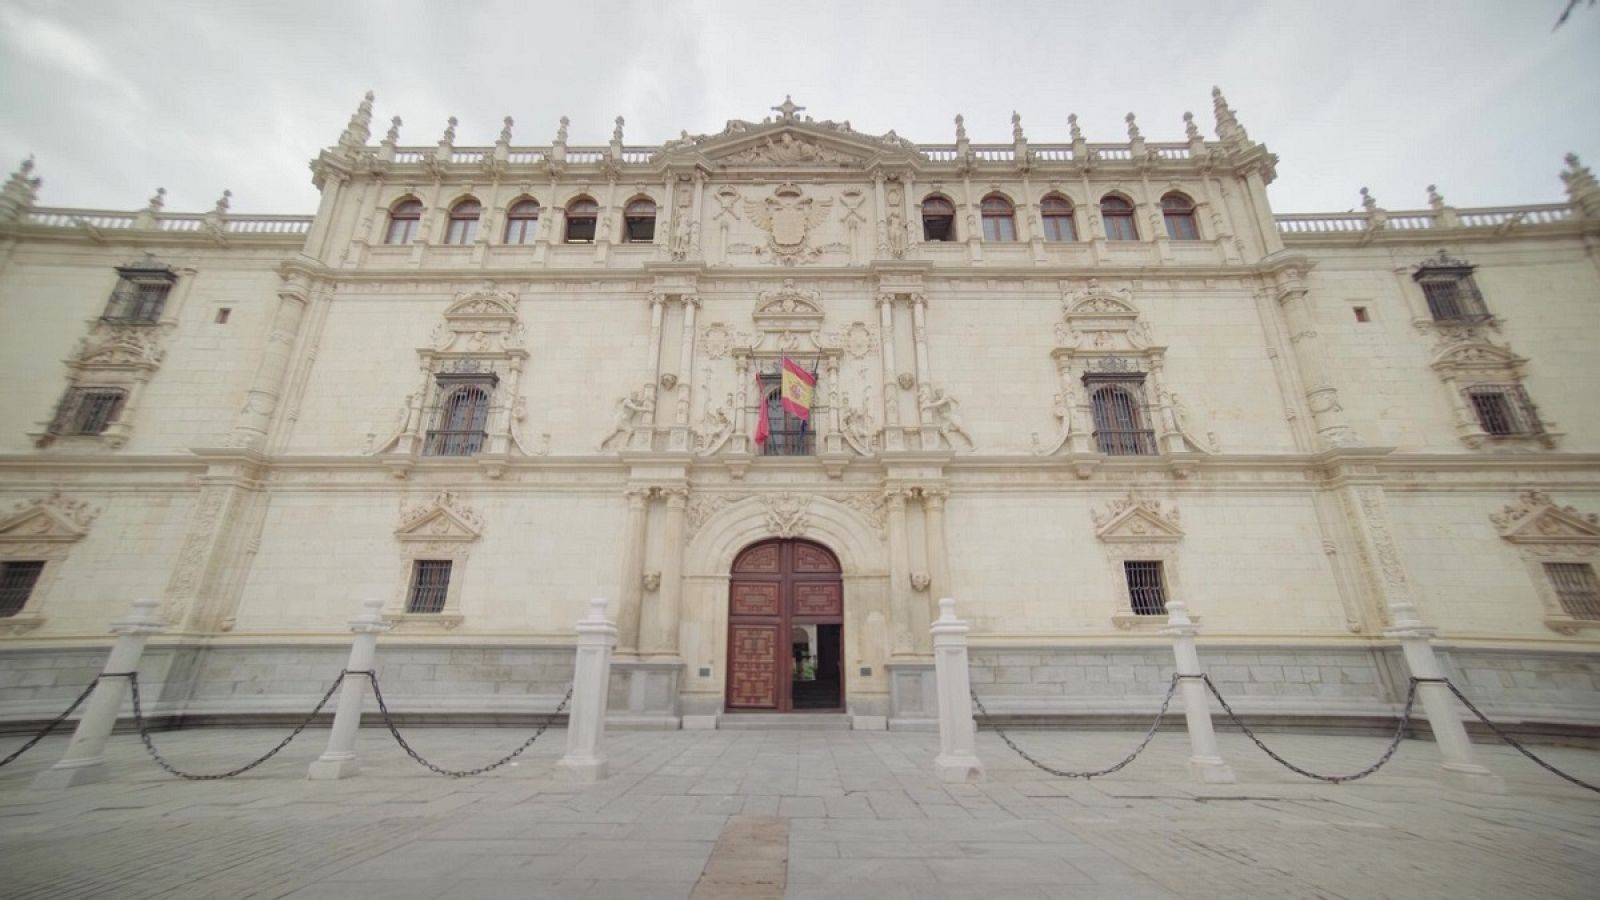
(56, 722)
(1062, 773)
(1399, 735)
(144, 735)
(1516, 743)
(388, 720)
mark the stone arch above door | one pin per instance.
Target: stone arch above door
(736, 524)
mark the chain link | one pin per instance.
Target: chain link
(144, 735)
(1399, 735)
(388, 720)
(1516, 743)
(55, 723)
(1062, 773)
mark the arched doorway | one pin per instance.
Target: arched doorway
(785, 628)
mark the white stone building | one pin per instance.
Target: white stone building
(1063, 383)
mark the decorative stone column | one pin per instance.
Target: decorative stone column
(339, 760)
(1205, 760)
(631, 593)
(1460, 770)
(250, 426)
(680, 419)
(644, 435)
(958, 745)
(919, 341)
(84, 762)
(658, 632)
(1321, 396)
(902, 618)
(933, 500)
(893, 437)
(585, 760)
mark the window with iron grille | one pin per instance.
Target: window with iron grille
(1576, 588)
(140, 294)
(1147, 593)
(17, 579)
(87, 410)
(430, 583)
(788, 435)
(1121, 426)
(1450, 289)
(462, 420)
(1504, 410)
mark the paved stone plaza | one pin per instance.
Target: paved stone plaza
(793, 814)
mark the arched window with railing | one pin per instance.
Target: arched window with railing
(1178, 211)
(582, 214)
(522, 221)
(1058, 222)
(404, 219)
(999, 219)
(1117, 214)
(1120, 426)
(938, 219)
(787, 434)
(461, 424)
(462, 226)
(639, 221)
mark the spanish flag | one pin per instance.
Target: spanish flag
(798, 388)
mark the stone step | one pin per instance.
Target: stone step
(784, 721)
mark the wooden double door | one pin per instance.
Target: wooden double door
(785, 628)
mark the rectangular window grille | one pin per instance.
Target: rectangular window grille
(137, 301)
(87, 410)
(16, 584)
(1453, 298)
(461, 417)
(1147, 595)
(1577, 589)
(1121, 422)
(430, 584)
(1504, 409)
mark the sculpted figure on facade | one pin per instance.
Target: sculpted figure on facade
(943, 412)
(860, 431)
(631, 412)
(716, 426)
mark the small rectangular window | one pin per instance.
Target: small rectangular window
(1147, 594)
(430, 584)
(1576, 588)
(1361, 314)
(1504, 409)
(1453, 297)
(137, 301)
(87, 410)
(17, 579)
(222, 315)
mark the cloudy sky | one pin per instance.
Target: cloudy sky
(117, 98)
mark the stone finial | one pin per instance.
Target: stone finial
(1016, 126)
(449, 132)
(19, 192)
(961, 129)
(505, 130)
(157, 200)
(1581, 188)
(1190, 128)
(1435, 199)
(1369, 202)
(223, 203)
(1133, 128)
(1072, 126)
(392, 137)
(360, 125)
(616, 133)
(561, 132)
(1228, 127)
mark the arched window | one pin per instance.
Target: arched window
(938, 219)
(463, 225)
(639, 221)
(404, 217)
(1058, 223)
(522, 222)
(461, 422)
(581, 215)
(1119, 425)
(1178, 210)
(1117, 213)
(787, 434)
(999, 219)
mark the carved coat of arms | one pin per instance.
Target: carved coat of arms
(788, 217)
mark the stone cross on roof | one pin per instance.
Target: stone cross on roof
(787, 109)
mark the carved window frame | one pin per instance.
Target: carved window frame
(463, 222)
(403, 225)
(1056, 210)
(522, 221)
(1134, 528)
(443, 529)
(1469, 306)
(1467, 362)
(1543, 532)
(43, 530)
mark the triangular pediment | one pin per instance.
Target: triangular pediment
(791, 144)
(46, 520)
(486, 303)
(1536, 519)
(1476, 355)
(1135, 518)
(445, 518)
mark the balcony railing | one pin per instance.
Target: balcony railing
(1126, 443)
(453, 443)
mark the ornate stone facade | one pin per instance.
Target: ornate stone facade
(1029, 356)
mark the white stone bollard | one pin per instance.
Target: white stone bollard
(958, 751)
(1205, 760)
(339, 760)
(1454, 746)
(84, 762)
(591, 681)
